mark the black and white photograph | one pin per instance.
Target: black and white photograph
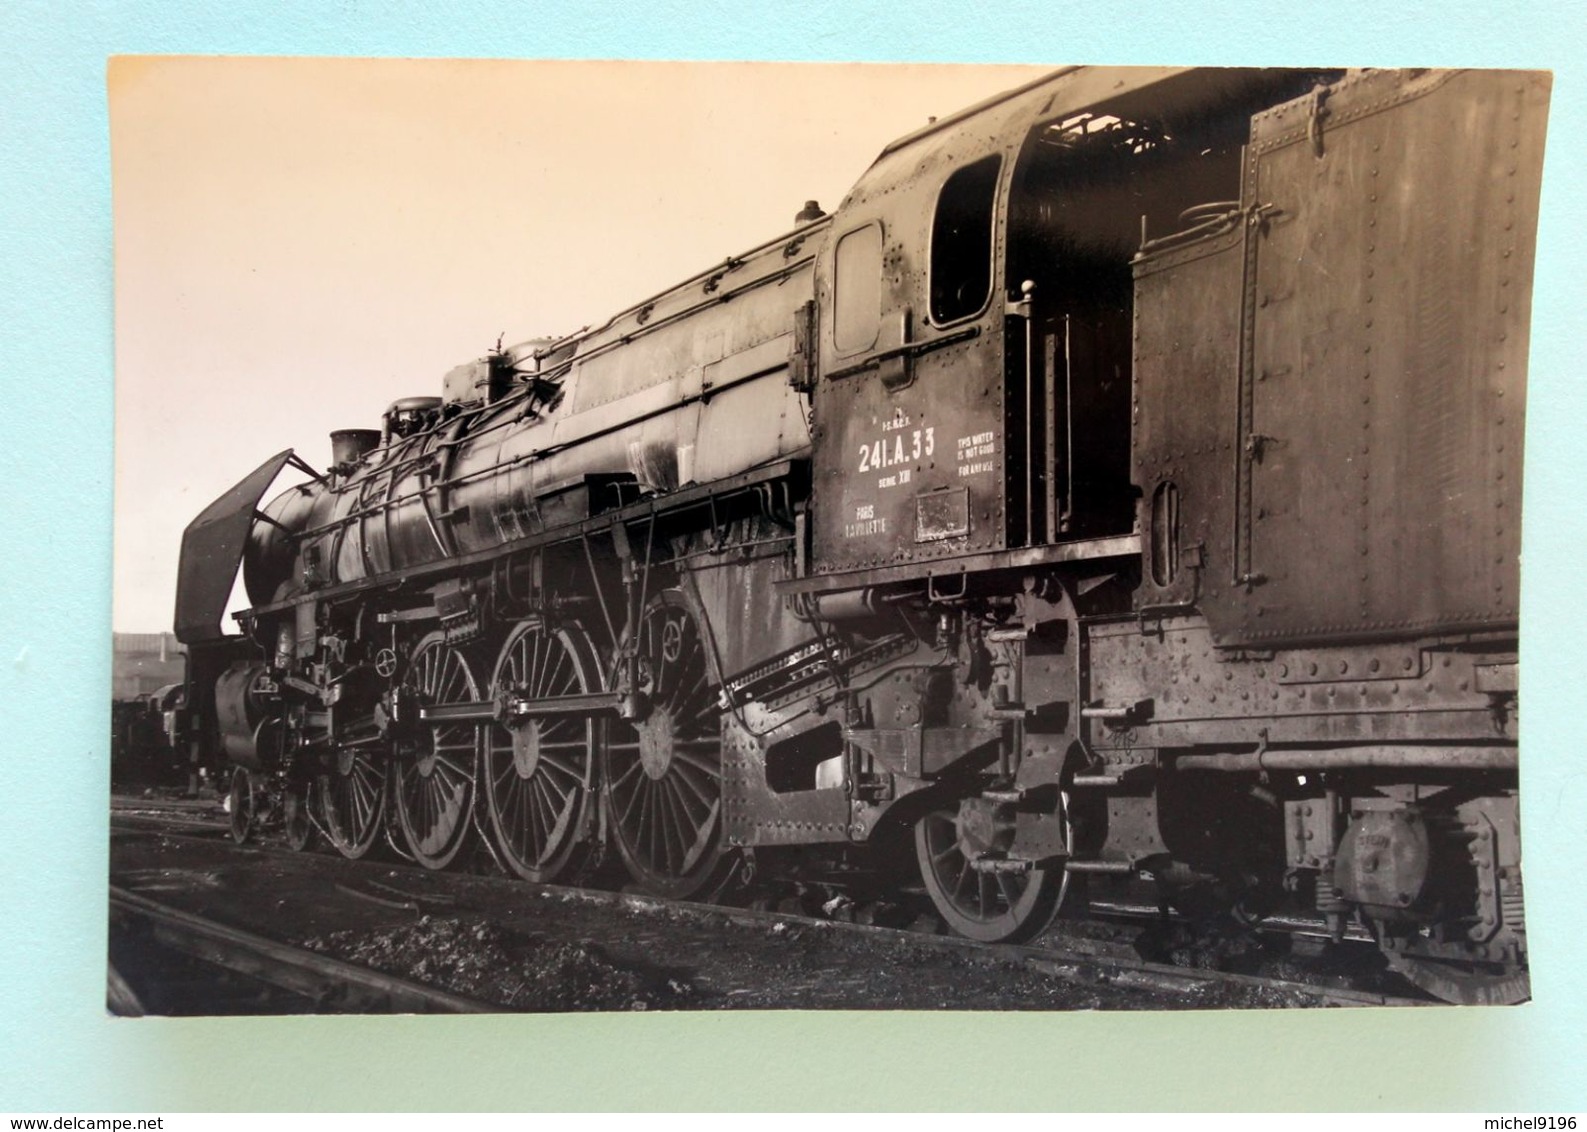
(636, 536)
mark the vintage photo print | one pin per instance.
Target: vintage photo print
(659, 536)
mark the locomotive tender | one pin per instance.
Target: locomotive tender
(1122, 482)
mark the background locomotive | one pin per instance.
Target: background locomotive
(1124, 481)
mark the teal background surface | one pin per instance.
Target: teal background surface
(60, 1053)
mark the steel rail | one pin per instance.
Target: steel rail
(334, 984)
(1289, 925)
(156, 823)
(1069, 964)
(1072, 964)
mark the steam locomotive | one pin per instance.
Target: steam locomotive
(1122, 485)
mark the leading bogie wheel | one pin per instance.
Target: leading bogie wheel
(433, 773)
(537, 769)
(352, 799)
(297, 807)
(985, 904)
(243, 803)
(662, 774)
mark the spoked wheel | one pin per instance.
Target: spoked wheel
(297, 816)
(243, 802)
(989, 906)
(352, 798)
(538, 768)
(663, 774)
(432, 780)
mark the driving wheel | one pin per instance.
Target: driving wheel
(537, 769)
(352, 799)
(432, 780)
(662, 774)
(297, 816)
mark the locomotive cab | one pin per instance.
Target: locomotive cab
(981, 295)
(1085, 189)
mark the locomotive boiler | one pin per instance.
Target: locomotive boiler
(1121, 485)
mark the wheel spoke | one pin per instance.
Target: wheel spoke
(560, 797)
(557, 797)
(459, 771)
(362, 794)
(553, 682)
(666, 833)
(539, 819)
(534, 829)
(567, 767)
(964, 875)
(506, 793)
(351, 804)
(690, 777)
(633, 769)
(667, 828)
(657, 814)
(646, 824)
(634, 797)
(681, 754)
(690, 697)
(557, 725)
(1006, 887)
(678, 816)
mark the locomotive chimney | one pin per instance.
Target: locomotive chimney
(811, 211)
(348, 445)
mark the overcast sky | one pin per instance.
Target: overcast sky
(299, 242)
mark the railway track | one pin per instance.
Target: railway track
(149, 820)
(1078, 964)
(329, 984)
(1076, 961)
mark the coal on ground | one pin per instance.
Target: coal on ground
(521, 971)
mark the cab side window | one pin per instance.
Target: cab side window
(961, 242)
(857, 290)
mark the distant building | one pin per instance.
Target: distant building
(144, 662)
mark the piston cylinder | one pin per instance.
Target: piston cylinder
(243, 711)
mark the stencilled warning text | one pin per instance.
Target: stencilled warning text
(973, 451)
